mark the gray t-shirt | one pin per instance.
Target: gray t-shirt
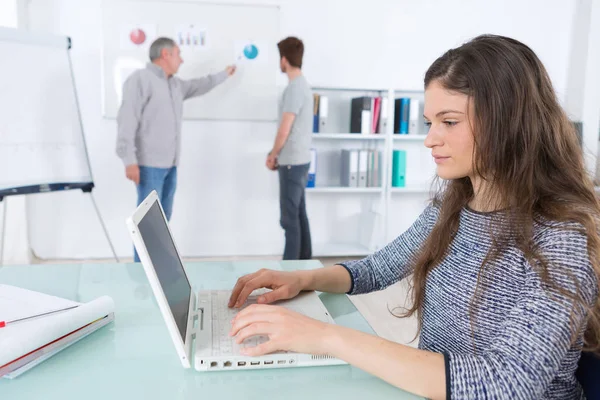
(298, 99)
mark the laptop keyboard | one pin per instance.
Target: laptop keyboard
(221, 324)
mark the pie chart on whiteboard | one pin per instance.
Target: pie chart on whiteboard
(250, 51)
(137, 36)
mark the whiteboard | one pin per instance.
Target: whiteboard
(42, 147)
(211, 37)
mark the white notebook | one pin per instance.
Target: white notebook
(17, 303)
(54, 318)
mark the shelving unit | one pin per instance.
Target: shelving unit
(374, 201)
(345, 190)
(346, 136)
(417, 190)
(409, 138)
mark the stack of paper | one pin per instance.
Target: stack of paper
(38, 326)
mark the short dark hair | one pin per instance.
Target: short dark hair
(292, 49)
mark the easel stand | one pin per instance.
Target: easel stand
(86, 189)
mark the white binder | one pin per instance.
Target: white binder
(383, 116)
(323, 112)
(414, 117)
(363, 167)
(349, 168)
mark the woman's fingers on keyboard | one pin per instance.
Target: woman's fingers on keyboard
(236, 290)
(277, 294)
(253, 314)
(259, 328)
(260, 281)
(239, 285)
(261, 349)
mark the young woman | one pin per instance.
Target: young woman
(504, 260)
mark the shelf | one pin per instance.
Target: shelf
(345, 89)
(334, 189)
(340, 250)
(350, 89)
(413, 138)
(360, 136)
(422, 190)
(352, 136)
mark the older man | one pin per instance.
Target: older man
(149, 121)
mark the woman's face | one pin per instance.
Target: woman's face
(450, 136)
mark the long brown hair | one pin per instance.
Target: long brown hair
(527, 150)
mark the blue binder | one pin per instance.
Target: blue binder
(312, 169)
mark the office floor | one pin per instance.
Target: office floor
(378, 308)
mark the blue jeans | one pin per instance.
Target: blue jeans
(294, 220)
(164, 181)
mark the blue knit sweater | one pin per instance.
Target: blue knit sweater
(518, 346)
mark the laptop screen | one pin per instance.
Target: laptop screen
(167, 265)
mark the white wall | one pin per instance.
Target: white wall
(8, 13)
(227, 202)
(590, 93)
(582, 95)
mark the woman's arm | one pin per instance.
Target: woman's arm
(523, 359)
(395, 261)
(417, 371)
(286, 284)
(333, 279)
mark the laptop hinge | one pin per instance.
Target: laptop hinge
(200, 318)
(202, 314)
(204, 330)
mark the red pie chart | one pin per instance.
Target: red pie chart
(137, 36)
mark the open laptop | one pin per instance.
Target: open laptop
(200, 323)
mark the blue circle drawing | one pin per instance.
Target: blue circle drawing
(251, 52)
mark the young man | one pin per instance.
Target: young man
(291, 152)
(149, 121)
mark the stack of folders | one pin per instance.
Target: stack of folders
(361, 168)
(369, 115)
(407, 116)
(35, 326)
(320, 112)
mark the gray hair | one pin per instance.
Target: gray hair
(158, 45)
